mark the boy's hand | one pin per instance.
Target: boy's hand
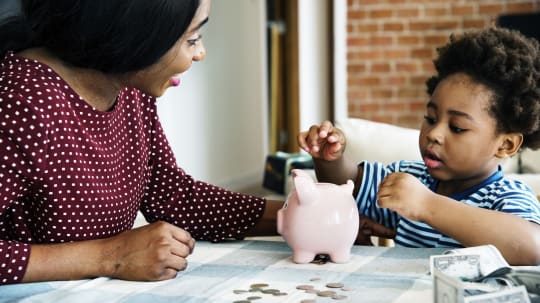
(323, 141)
(404, 194)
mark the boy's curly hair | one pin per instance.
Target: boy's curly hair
(506, 62)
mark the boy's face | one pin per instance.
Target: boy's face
(458, 139)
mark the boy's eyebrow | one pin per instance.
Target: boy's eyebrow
(451, 111)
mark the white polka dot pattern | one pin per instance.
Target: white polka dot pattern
(69, 172)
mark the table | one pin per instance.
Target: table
(215, 270)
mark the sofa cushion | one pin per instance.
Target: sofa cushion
(530, 161)
(376, 141)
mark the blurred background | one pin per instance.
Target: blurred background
(274, 67)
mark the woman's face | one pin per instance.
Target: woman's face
(157, 78)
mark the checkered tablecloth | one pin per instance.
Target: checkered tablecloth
(215, 271)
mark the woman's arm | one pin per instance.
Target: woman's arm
(153, 252)
(267, 224)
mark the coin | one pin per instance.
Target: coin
(346, 288)
(339, 297)
(326, 293)
(253, 298)
(321, 259)
(315, 279)
(242, 301)
(279, 294)
(308, 301)
(270, 291)
(304, 287)
(258, 285)
(334, 285)
(239, 291)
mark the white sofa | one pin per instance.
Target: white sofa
(375, 141)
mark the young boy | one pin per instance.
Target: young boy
(484, 106)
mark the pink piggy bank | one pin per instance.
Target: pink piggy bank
(319, 218)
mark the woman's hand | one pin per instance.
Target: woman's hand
(153, 252)
(369, 228)
(323, 141)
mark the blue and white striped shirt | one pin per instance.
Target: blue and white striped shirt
(496, 193)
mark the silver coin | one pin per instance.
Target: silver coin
(304, 287)
(308, 301)
(239, 291)
(339, 297)
(346, 288)
(279, 294)
(326, 293)
(253, 298)
(315, 279)
(242, 301)
(334, 285)
(270, 291)
(258, 285)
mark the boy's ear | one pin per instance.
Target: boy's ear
(510, 145)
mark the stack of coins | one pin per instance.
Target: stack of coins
(321, 259)
(261, 288)
(334, 290)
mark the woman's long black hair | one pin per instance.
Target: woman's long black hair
(112, 36)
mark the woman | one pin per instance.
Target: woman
(82, 149)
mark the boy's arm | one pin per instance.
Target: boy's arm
(339, 171)
(517, 239)
(326, 144)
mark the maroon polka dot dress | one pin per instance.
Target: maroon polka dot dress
(69, 172)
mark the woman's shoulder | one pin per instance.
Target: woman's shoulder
(29, 80)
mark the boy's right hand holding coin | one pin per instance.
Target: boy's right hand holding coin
(324, 141)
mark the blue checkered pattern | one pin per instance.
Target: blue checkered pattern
(376, 274)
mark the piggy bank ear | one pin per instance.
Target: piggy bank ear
(299, 172)
(349, 186)
(304, 186)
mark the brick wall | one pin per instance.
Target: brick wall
(391, 45)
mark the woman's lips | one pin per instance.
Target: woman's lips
(175, 81)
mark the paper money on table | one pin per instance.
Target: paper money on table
(446, 288)
(457, 266)
(469, 263)
(490, 257)
(513, 294)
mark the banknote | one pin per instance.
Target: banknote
(512, 295)
(458, 266)
(490, 257)
(446, 289)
